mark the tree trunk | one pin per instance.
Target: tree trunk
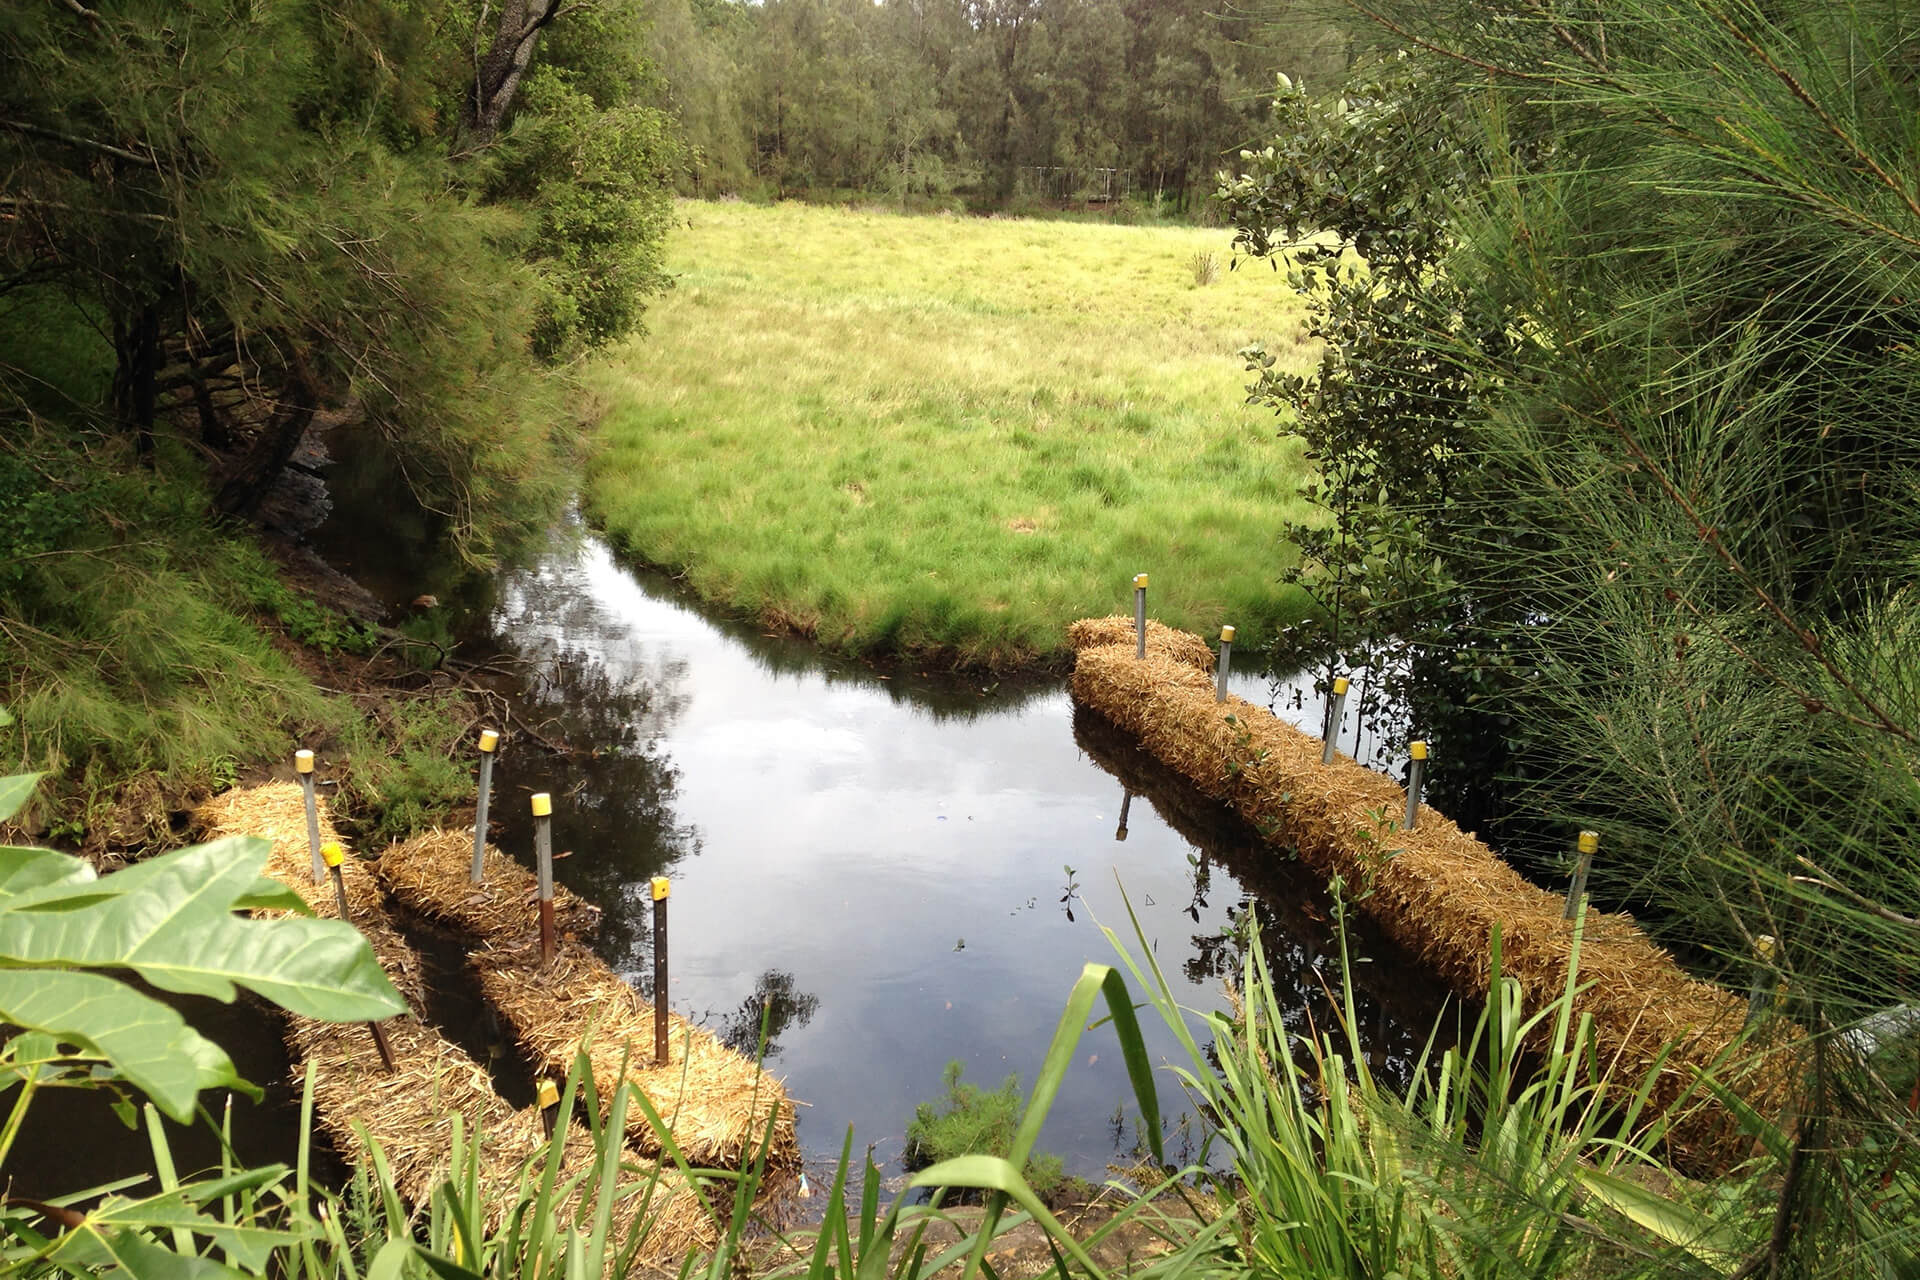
(271, 450)
(498, 77)
(136, 367)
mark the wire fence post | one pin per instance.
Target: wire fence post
(303, 765)
(489, 739)
(1582, 867)
(543, 859)
(661, 889)
(1416, 775)
(1336, 707)
(1140, 615)
(1226, 661)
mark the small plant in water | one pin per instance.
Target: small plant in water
(969, 1120)
(1072, 893)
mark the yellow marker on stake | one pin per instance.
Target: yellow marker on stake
(549, 1096)
(1226, 661)
(333, 855)
(1140, 614)
(1416, 768)
(1336, 707)
(1589, 844)
(303, 766)
(660, 891)
(489, 740)
(543, 861)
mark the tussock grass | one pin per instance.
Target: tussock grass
(914, 434)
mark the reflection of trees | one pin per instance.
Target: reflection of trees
(1395, 1002)
(778, 1000)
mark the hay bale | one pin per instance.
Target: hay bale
(430, 874)
(409, 1111)
(1436, 891)
(1178, 646)
(715, 1102)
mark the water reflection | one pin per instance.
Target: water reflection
(776, 1005)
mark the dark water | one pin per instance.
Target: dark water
(907, 869)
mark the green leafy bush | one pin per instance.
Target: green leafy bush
(969, 1120)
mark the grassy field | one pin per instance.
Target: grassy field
(951, 435)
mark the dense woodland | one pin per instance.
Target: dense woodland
(997, 102)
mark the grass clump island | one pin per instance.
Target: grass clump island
(939, 436)
(966, 1119)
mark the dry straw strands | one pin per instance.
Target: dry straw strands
(410, 1111)
(1435, 890)
(715, 1102)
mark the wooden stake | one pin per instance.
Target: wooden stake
(333, 855)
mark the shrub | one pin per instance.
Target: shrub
(969, 1120)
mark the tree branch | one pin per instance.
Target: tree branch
(75, 140)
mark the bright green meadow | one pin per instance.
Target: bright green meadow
(952, 436)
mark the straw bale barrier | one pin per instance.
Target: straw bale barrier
(409, 1112)
(716, 1102)
(1436, 891)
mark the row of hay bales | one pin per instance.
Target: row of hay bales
(1435, 890)
(410, 1111)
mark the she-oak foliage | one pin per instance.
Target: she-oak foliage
(1619, 430)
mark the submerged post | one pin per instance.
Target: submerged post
(1760, 995)
(333, 855)
(1416, 768)
(303, 765)
(543, 859)
(489, 739)
(1577, 891)
(1126, 803)
(660, 890)
(1336, 708)
(1140, 615)
(1226, 660)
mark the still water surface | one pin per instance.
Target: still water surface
(906, 869)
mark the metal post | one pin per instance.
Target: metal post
(543, 859)
(1226, 661)
(489, 739)
(1140, 614)
(303, 765)
(1577, 891)
(1336, 708)
(1126, 803)
(333, 855)
(1415, 770)
(660, 890)
(549, 1103)
(1760, 995)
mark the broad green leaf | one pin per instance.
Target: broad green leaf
(149, 1042)
(16, 789)
(136, 1255)
(1094, 980)
(25, 869)
(171, 920)
(1710, 1241)
(175, 1211)
(269, 894)
(991, 1173)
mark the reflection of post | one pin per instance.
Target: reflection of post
(1126, 802)
(1140, 615)
(1226, 660)
(1416, 768)
(1589, 842)
(303, 765)
(489, 739)
(660, 890)
(1335, 709)
(543, 860)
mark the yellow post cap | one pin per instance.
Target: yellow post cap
(549, 1094)
(1226, 635)
(303, 760)
(1417, 749)
(489, 739)
(661, 888)
(332, 854)
(1339, 684)
(542, 804)
(1589, 841)
(1766, 945)
(1140, 581)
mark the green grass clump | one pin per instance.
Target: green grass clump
(402, 772)
(957, 435)
(969, 1120)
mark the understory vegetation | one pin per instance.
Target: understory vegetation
(949, 437)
